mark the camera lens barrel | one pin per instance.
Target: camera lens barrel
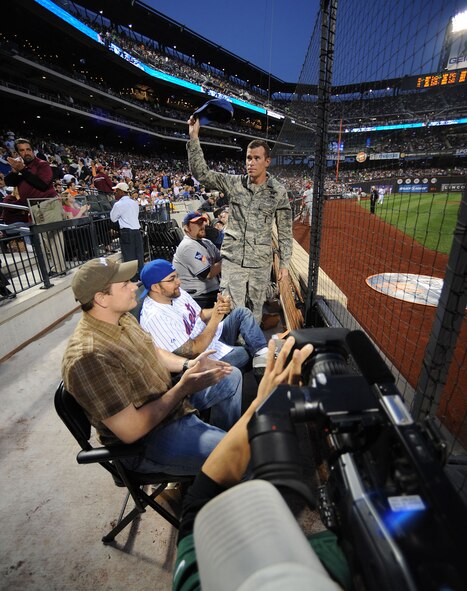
(329, 363)
(275, 454)
(274, 446)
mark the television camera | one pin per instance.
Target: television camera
(384, 492)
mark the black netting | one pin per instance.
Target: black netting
(384, 149)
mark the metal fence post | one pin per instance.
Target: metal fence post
(93, 237)
(41, 261)
(328, 28)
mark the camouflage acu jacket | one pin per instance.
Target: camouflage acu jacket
(253, 210)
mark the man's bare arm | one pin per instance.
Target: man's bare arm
(228, 462)
(215, 269)
(206, 314)
(174, 363)
(185, 350)
(224, 306)
(193, 347)
(130, 424)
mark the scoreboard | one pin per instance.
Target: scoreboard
(451, 78)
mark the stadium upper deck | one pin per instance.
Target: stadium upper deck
(116, 99)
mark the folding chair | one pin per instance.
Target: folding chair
(74, 417)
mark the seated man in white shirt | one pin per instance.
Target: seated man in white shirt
(198, 261)
(177, 324)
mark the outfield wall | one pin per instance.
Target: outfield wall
(414, 184)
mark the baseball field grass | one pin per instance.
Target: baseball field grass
(430, 218)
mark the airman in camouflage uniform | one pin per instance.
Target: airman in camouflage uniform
(257, 200)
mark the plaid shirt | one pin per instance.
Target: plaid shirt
(108, 367)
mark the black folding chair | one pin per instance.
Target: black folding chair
(109, 457)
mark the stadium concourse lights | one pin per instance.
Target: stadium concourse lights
(459, 22)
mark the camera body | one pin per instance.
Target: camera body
(398, 519)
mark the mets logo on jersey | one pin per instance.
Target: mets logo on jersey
(191, 320)
(200, 257)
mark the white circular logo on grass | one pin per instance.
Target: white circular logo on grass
(416, 289)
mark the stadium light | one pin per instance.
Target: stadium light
(459, 22)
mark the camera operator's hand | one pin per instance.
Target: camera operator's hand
(227, 463)
(277, 372)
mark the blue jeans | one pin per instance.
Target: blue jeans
(182, 446)
(242, 322)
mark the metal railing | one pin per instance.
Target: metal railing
(34, 254)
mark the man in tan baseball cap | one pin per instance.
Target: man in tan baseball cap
(97, 275)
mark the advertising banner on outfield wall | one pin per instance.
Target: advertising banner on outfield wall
(453, 187)
(414, 184)
(412, 189)
(386, 156)
(433, 184)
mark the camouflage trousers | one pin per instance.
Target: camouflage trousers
(246, 286)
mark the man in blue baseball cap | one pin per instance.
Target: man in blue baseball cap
(178, 324)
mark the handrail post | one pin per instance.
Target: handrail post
(37, 245)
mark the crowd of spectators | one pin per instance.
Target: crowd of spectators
(176, 64)
(434, 140)
(296, 177)
(408, 140)
(171, 107)
(79, 170)
(410, 171)
(364, 111)
(366, 108)
(149, 176)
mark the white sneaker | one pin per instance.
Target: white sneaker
(259, 361)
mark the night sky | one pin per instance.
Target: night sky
(271, 34)
(379, 39)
